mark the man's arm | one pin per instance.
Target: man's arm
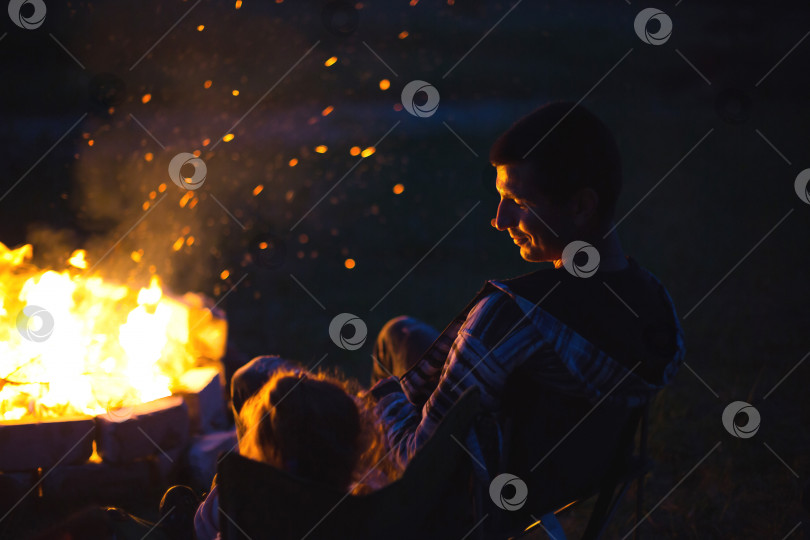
(495, 338)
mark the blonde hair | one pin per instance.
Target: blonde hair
(315, 427)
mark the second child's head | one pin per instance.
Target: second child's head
(308, 425)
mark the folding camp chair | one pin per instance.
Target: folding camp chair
(430, 500)
(566, 450)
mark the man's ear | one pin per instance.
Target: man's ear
(585, 204)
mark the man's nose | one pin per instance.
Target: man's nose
(503, 219)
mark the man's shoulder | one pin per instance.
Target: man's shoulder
(627, 314)
(492, 312)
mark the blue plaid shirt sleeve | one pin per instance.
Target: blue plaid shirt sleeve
(498, 333)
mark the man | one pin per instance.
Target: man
(612, 334)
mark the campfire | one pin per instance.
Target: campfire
(102, 381)
(75, 345)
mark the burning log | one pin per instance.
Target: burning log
(144, 430)
(30, 445)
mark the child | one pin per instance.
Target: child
(309, 425)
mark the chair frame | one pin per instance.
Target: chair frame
(630, 464)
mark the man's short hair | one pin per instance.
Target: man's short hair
(575, 150)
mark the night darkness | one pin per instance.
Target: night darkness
(324, 195)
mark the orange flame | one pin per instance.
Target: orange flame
(76, 345)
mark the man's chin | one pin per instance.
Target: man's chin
(534, 255)
(530, 255)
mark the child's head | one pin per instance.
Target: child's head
(308, 425)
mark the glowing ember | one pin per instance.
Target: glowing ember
(75, 345)
(185, 198)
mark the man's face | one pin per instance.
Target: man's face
(535, 224)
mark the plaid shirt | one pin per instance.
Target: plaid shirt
(496, 333)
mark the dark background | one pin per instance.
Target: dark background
(743, 303)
